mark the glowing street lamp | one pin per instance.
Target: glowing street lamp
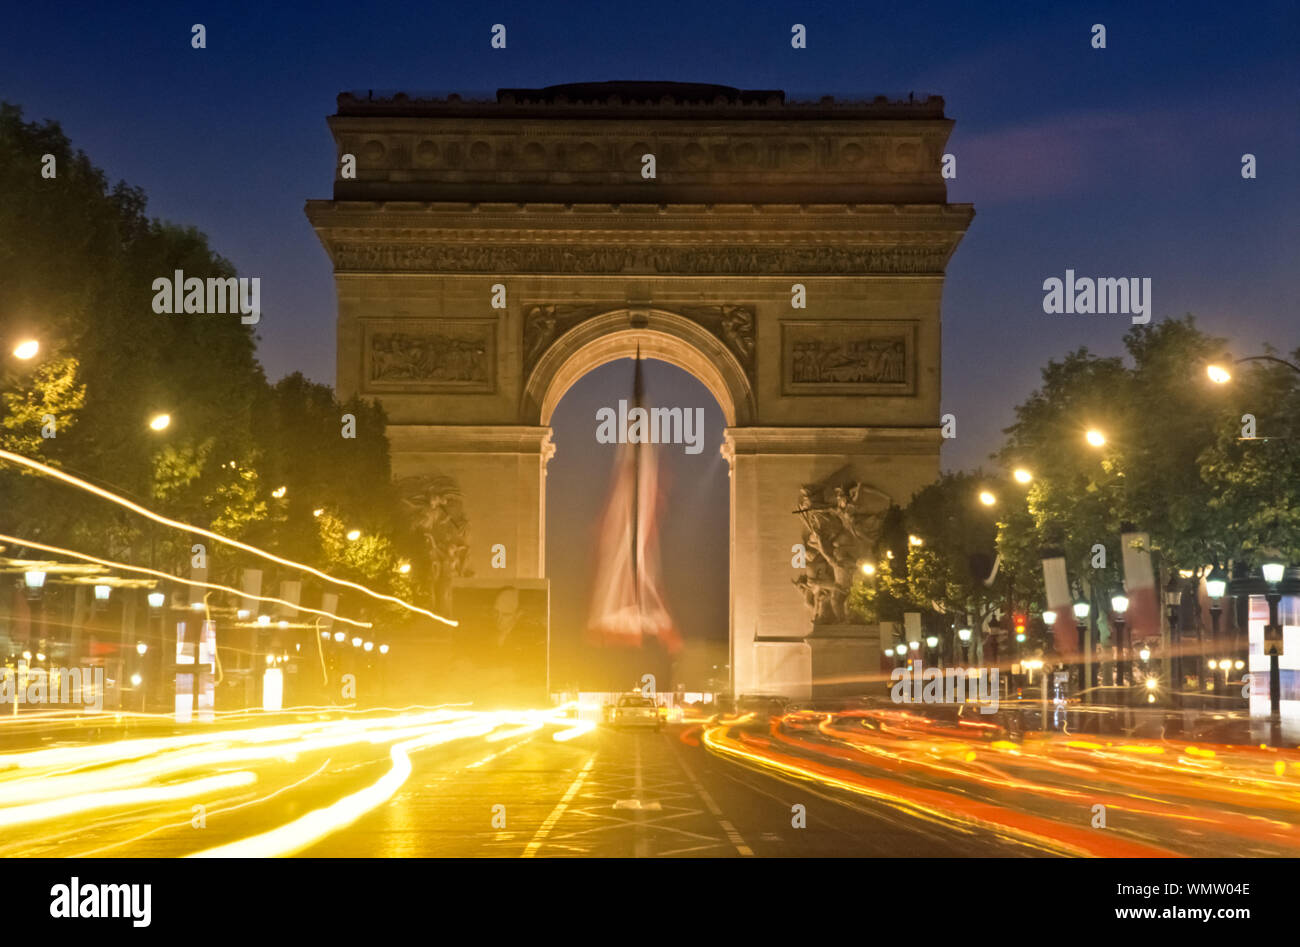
(404, 568)
(1119, 606)
(1081, 610)
(383, 649)
(141, 648)
(368, 646)
(914, 540)
(156, 599)
(1218, 374)
(900, 650)
(34, 580)
(987, 498)
(339, 636)
(1022, 475)
(964, 634)
(868, 569)
(26, 349)
(1273, 574)
(356, 642)
(102, 593)
(1095, 438)
(354, 535)
(1049, 618)
(160, 422)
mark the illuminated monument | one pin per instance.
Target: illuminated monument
(832, 407)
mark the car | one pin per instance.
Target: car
(762, 706)
(636, 711)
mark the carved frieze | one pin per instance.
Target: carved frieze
(837, 357)
(695, 260)
(424, 355)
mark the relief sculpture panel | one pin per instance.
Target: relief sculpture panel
(848, 357)
(424, 355)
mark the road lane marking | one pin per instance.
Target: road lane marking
(545, 829)
(733, 836)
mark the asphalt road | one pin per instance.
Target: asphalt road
(535, 784)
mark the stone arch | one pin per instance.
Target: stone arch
(617, 334)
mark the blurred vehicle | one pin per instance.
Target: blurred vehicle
(762, 706)
(633, 710)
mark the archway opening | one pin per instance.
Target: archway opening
(691, 527)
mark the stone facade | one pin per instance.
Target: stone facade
(542, 191)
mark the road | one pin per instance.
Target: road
(455, 783)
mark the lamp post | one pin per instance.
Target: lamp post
(1081, 609)
(1119, 608)
(1215, 585)
(1173, 604)
(963, 635)
(1273, 573)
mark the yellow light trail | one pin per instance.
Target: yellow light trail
(199, 531)
(73, 805)
(320, 823)
(175, 578)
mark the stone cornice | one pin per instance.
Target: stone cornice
(471, 439)
(642, 99)
(824, 440)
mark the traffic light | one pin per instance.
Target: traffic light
(1020, 627)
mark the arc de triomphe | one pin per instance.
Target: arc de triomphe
(832, 407)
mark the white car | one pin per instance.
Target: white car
(636, 711)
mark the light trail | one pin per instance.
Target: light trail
(200, 531)
(150, 795)
(1171, 797)
(74, 782)
(175, 578)
(317, 825)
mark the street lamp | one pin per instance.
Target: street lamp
(26, 349)
(1173, 605)
(339, 636)
(1221, 376)
(1273, 573)
(1218, 374)
(1081, 610)
(1095, 438)
(1119, 606)
(156, 599)
(987, 498)
(354, 535)
(1022, 475)
(160, 422)
(867, 568)
(1216, 583)
(102, 592)
(383, 649)
(141, 648)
